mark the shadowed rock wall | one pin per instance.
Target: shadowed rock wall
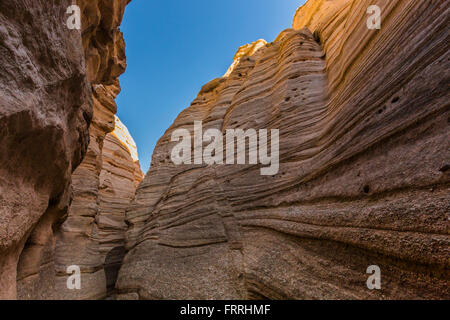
(55, 81)
(45, 111)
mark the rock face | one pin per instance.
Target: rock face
(53, 82)
(97, 244)
(45, 111)
(93, 235)
(119, 178)
(363, 120)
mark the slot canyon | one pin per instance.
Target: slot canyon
(364, 156)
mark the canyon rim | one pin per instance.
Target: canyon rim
(363, 120)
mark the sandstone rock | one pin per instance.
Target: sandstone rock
(45, 111)
(96, 243)
(45, 258)
(119, 179)
(363, 120)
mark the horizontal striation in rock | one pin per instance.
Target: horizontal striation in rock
(45, 112)
(363, 119)
(72, 242)
(92, 238)
(119, 178)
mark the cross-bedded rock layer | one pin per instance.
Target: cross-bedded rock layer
(364, 150)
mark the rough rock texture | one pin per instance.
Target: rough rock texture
(99, 52)
(101, 241)
(45, 111)
(119, 179)
(364, 156)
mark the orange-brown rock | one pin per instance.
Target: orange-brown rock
(364, 154)
(45, 111)
(54, 81)
(96, 246)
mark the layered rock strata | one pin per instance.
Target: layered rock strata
(363, 119)
(100, 242)
(45, 111)
(119, 178)
(74, 75)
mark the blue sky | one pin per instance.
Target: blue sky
(174, 47)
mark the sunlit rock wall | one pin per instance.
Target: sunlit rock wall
(363, 180)
(119, 178)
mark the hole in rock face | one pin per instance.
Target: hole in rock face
(366, 189)
(287, 99)
(316, 36)
(112, 264)
(395, 100)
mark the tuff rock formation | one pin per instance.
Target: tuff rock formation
(45, 111)
(94, 242)
(363, 180)
(90, 227)
(101, 240)
(119, 178)
(53, 82)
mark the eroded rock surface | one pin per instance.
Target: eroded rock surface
(45, 111)
(54, 81)
(119, 179)
(98, 244)
(364, 142)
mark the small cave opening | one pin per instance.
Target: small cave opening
(317, 37)
(366, 189)
(395, 99)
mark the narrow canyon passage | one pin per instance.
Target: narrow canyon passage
(361, 178)
(65, 80)
(93, 235)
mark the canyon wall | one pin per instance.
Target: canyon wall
(53, 81)
(363, 120)
(119, 178)
(90, 228)
(45, 111)
(100, 240)
(73, 244)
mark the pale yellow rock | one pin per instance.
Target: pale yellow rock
(245, 51)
